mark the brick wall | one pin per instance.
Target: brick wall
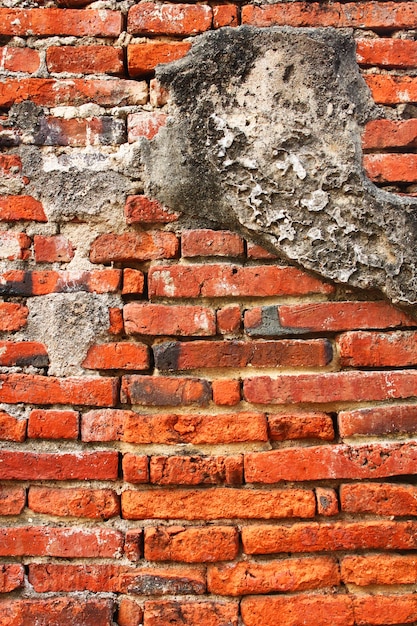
(238, 446)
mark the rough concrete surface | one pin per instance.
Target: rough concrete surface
(264, 136)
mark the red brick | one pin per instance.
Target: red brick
(85, 60)
(56, 611)
(143, 246)
(52, 249)
(387, 52)
(377, 350)
(10, 164)
(298, 425)
(21, 465)
(50, 21)
(196, 470)
(133, 281)
(23, 353)
(14, 246)
(12, 500)
(52, 92)
(380, 134)
(144, 210)
(130, 613)
(115, 356)
(205, 242)
(379, 569)
(388, 89)
(387, 168)
(191, 545)
(226, 392)
(56, 541)
(369, 15)
(327, 502)
(379, 498)
(135, 468)
(13, 316)
(229, 319)
(386, 609)
(133, 548)
(34, 389)
(104, 424)
(116, 578)
(338, 461)
(39, 283)
(326, 610)
(218, 503)
(379, 420)
(21, 208)
(161, 319)
(246, 577)
(148, 18)
(11, 577)
(225, 15)
(188, 613)
(333, 387)
(164, 391)
(144, 124)
(11, 428)
(142, 58)
(317, 537)
(214, 281)
(91, 503)
(175, 355)
(116, 326)
(20, 59)
(258, 252)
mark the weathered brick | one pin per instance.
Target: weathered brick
(373, 610)
(378, 420)
(56, 541)
(20, 59)
(229, 319)
(161, 319)
(52, 92)
(12, 428)
(212, 281)
(85, 60)
(337, 461)
(21, 465)
(55, 611)
(333, 387)
(388, 89)
(205, 242)
(326, 610)
(142, 58)
(135, 468)
(247, 577)
(133, 281)
(191, 545)
(300, 425)
(196, 470)
(144, 210)
(13, 316)
(188, 613)
(148, 18)
(254, 251)
(14, 246)
(377, 350)
(164, 391)
(52, 249)
(21, 208)
(226, 392)
(327, 501)
(317, 537)
(380, 134)
(379, 498)
(49, 21)
(113, 356)
(11, 577)
(12, 500)
(40, 283)
(23, 353)
(133, 548)
(91, 503)
(130, 613)
(74, 132)
(52, 424)
(218, 503)
(104, 424)
(225, 15)
(389, 168)
(158, 95)
(379, 569)
(34, 389)
(144, 124)
(323, 316)
(369, 15)
(115, 321)
(387, 52)
(134, 247)
(174, 355)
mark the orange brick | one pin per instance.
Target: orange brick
(90, 503)
(379, 498)
(135, 468)
(195, 470)
(326, 610)
(158, 95)
(379, 569)
(85, 60)
(115, 356)
(300, 425)
(12, 500)
(202, 613)
(13, 316)
(23, 353)
(226, 392)
(49, 21)
(388, 89)
(133, 548)
(229, 319)
(191, 545)
(144, 210)
(142, 58)
(52, 424)
(130, 613)
(225, 15)
(160, 319)
(57, 610)
(387, 52)
(380, 134)
(133, 281)
(21, 208)
(143, 246)
(115, 321)
(21, 465)
(11, 428)
(205, 242)
(379, 420)
(163, 391)
(144, 124)
(12, 577)
(373, 610)
(327, 502)
(52, 249)
(148, 18)
(388, 168)
(20, 59)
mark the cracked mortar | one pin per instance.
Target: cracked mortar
(269, 123)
